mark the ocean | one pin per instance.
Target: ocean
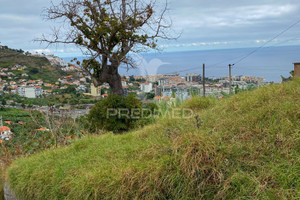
(268, 62)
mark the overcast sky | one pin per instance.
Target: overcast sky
(205, 24)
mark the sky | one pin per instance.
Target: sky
(203, 24)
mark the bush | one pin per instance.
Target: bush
(151, 106)
(34, 71)
(115, 113)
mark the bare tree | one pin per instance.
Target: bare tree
(106, 31)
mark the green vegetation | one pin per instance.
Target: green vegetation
(58, 99)
(106, 114)
(1, 182)
(197, 103)
(37, 67)
(246, 148)
(8, 149)
(27, 139)
(26, 101)
(15, 116)
(150, 95)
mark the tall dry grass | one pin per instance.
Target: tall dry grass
(247, 147)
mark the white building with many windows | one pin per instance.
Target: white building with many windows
(146, 87)
(30, 92)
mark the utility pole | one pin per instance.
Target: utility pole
(230, 78)
(203, 81)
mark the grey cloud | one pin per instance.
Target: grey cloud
(205, 24)
(21, 22)
(239, 23)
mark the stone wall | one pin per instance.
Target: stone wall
(8, 194)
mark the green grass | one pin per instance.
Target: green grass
(1, 183)
(247, 148)
(197, 103)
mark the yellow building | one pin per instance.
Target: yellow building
(95, 91)
(297, 69)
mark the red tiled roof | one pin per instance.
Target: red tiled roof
(4, 128)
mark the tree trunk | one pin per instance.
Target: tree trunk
(116, 84)
(111, 76)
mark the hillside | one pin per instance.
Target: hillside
(247, 148)
(37, 67)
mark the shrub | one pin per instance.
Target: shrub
(114, 113)
(151, 106)
(3, 102)
(34, 71)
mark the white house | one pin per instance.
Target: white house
(54, 60)
(146, 87)
(5, 133)
(124, 83)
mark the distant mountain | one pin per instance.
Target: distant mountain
(37, 67)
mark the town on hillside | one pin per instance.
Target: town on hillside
(151, 87)
(16, 82)
(74, 93)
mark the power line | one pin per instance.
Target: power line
(249, 54)
(285, 41)
(224, 61)
(213, 65)
(276, 36)
(186, 70)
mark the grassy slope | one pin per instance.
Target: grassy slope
(10, 58)
(1, 183)
(247, 148)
